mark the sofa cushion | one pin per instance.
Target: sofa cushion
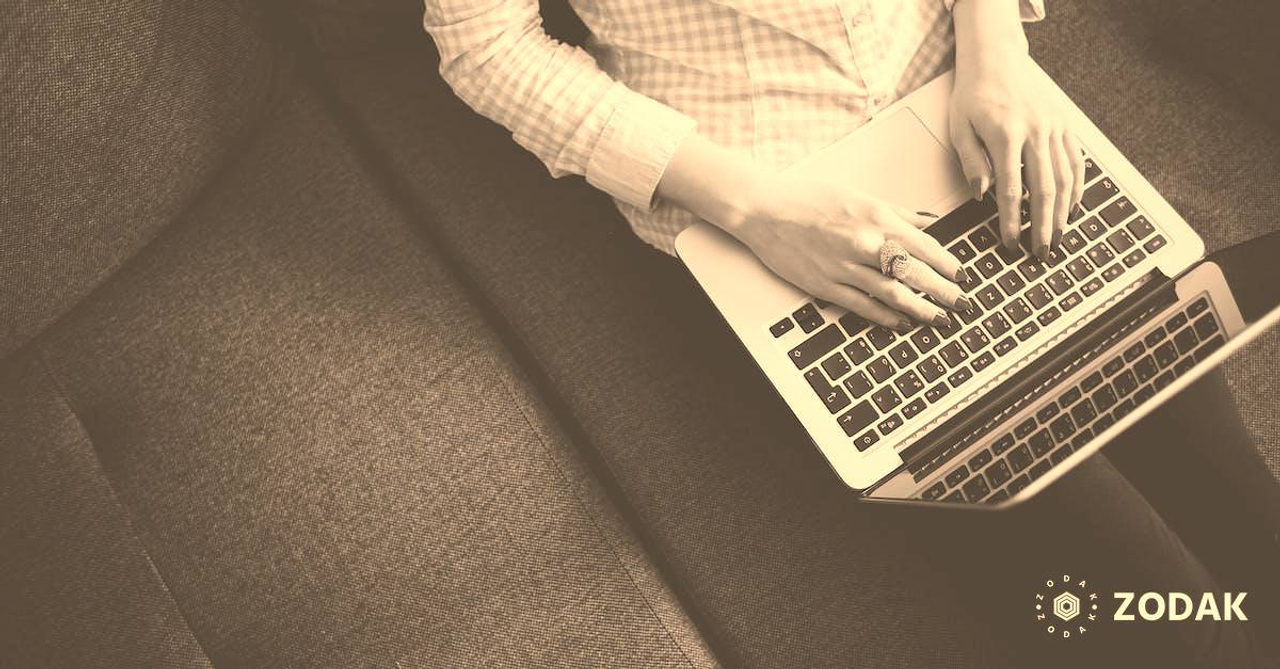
(114, 116)
(779, 564)
(323, 449)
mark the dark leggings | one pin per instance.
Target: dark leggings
(1179, 503)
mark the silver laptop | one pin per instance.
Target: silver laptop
(1053, 361)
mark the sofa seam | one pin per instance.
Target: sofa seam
(542, 444)
(128, 518)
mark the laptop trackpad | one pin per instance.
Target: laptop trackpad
(896, 159)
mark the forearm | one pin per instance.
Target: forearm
(711, 181)
(988, 34)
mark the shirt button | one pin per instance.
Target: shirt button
(877, 101)
(858, 18)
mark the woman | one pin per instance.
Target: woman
(690, 109)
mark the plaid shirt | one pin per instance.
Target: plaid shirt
(773, 79)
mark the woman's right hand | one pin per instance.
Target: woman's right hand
(825, 239)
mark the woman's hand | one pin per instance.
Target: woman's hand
(1002, 122)
(826, 239)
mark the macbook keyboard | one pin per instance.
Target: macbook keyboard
(873, 380)
(1074, 414)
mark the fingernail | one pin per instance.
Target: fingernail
(1043, 252)
(904, 326)
(961, 275)
(925, 213)
(1011, 245)
(1075, 210)
(976, 183)
(1057, 238)
(942, 320)
(963, 303)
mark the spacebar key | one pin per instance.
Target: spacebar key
(816, 346)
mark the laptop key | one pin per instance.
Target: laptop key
(1134, 257)
(1044, 413)
(934, 492)
(1091, 170)
(1027, 331)
(1184, 365)
(1185, 340)
(1146, 369)
(889, 424)
(1048, 316)
(1154, 244)
(1070, 302)
(1122, 409)
(959, 377)
(974, 339)
(988, 265)
(1017, 485)
(955, 496)
(1163, 380)
(1031, 269)
(1020, 458)
(1144, 393)
(1069, 397)
(1011, 283)
(1100, 255)
(1208, 348)
(781, 327)
(998, 474)
(1061, 454)
(1134, 351)
(1083, 413)
(1038, 296)
(1004, 443)
(1154, 337)
(982, 361)
(853, 323)
(1062, 427)
(1093, 228)
(925, 339)
(1004, 346)
(1040, 443)
(913, 407)
(858, 384)
(880, 337)
(859, 352)
(836, 367)
(1039, 469)
(817, 346)
(866, 440)
(980, 460)
(1081, 439)
(967, 316)
(995, 324)
(1140, 227)
(957, 476)
(886, 399)
(1120, 241)
(931, 369)
(1176, 321)
(1206, 326)
(1091, 381)
(903, 354)
(953, 354)
(936, 393)
(1198, 307)
(976, 489)
(1009, 256)
(1025, 428)
(1059, 282)
(1103, 398)
(1097, 194)
(808, 318)
(962, 251)
(1017, 310)
(1125, 383)
(1113, 365)
(881, 369)
(1116, 212)
(982, 238)
(909, 384)
(998, 497)
(1074, 242)
(1080, 268)
(858, 418)
(1113, 272)
(989, 296)
(970, 282)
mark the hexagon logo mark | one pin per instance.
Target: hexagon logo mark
(1066, 606)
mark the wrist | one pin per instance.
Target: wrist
(989, 35)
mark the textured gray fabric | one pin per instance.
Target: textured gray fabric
(328, 457)
(112, 117)
(778, 564)
(79, 589)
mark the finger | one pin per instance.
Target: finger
(867, 307)
(973, 158)
(917, 219)
(895, 295)
(1064, 181)
(1076, 155)
(1005, 150)
(1038, 156)
(924, 247)
(927, 280)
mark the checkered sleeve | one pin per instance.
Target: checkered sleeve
(553, 97)
(1031, 10)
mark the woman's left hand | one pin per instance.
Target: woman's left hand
(1002, 121)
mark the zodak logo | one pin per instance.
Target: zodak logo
(1066, 607)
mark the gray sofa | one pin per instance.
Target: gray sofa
(302, 363)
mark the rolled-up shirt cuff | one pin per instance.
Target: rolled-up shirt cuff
(1030, 10)
(634, 148)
